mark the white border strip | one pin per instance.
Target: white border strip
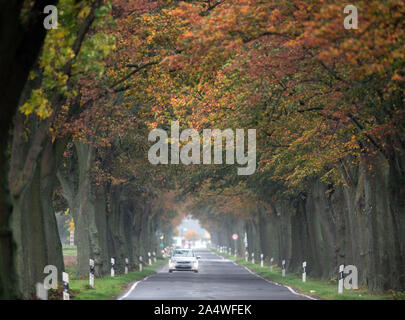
(132, 288)
(280, 285)
(272, 282)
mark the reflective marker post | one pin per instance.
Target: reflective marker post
(42, 292)
(341, 277)
(72, 238)
(283, 268)
(126, 265)
(261, 260)
(271, 264)
(150, 260)
(112, 267)
(140, 263)
(253, 257)
(91, 275)
(65, 286)
(304, 271)
(246, 256)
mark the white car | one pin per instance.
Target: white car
(183, 260)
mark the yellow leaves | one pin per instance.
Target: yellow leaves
(71, 225)
(38, 104)
(397, 77)
(84, 12)
(31, 76)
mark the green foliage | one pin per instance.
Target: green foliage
(58, 52)
(398, 295)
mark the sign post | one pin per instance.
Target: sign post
(235, 237)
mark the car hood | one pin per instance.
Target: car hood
(184, 259)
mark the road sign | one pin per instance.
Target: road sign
(235, 236)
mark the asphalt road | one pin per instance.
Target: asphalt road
(218, 279)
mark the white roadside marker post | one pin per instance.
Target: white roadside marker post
(261, 260)
(112, 267)
(91, 275)
(140, 263)
(283, 268)
(150, 260)
(154, 256)
(246, 256)
(72, 238)
(253, 257)
(341, 277)
(304, 271)
(236, 253)
(65, 286)
(126, 265)
(42, 292)
(271, 264)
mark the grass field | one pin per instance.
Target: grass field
(313, 287)
(69, 250)
(107, 287)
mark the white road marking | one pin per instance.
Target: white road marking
(275, 283)
(132, 288)
(281, 285)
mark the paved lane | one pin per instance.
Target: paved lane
(218, 278)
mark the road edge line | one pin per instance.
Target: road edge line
(272, 282)
(132, 288)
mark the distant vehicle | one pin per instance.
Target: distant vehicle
(183, 260)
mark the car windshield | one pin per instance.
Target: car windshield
(183, 253)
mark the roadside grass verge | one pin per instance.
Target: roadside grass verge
(69, 251)
(107, 287)
(312, 287)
